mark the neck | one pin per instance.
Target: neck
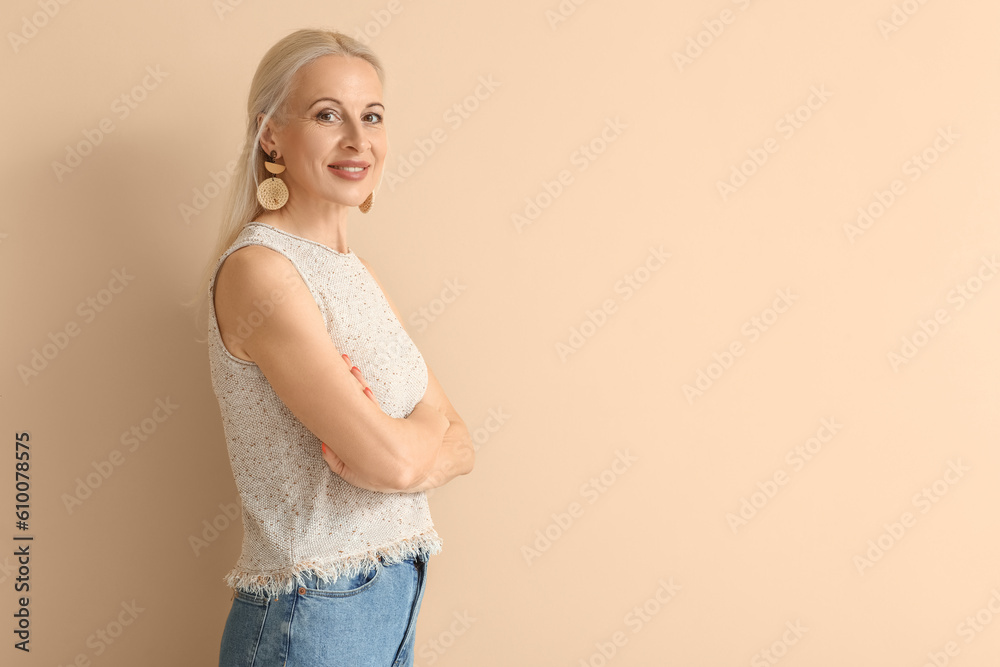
(324, 222)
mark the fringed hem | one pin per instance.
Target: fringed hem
(329, 569)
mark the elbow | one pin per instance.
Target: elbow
(471, 460)
(467, 460)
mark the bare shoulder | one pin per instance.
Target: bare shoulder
(253, 272)
(253, 279)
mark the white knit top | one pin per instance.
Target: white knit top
(298, 515)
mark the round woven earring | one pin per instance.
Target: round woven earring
(366, 205)
(272, 193)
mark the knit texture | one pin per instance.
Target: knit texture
(298, 515)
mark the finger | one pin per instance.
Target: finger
(356, 372)
(332, 460)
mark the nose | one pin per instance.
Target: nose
(354, 136)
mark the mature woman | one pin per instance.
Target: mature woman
(334, 425)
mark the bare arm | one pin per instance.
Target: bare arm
(293, 350)
(456, 455)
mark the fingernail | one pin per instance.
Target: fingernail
(368, 391)
(344, 356)
(324, 447)
(355, 368)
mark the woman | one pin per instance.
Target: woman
(334, 425)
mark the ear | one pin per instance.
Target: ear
(268, 142)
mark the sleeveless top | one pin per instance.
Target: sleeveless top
(298, 515)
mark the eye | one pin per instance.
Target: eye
(376, 116)
(322, 115)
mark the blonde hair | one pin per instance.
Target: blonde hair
(269, 91)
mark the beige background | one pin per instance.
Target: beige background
(897, 77)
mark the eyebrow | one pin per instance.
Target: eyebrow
(336, 101)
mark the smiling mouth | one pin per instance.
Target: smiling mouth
(350, 169)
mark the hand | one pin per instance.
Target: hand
(334, 461)
(455, 457)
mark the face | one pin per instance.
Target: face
(332, 137)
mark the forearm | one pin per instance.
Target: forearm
(455, 456)
(397, 454)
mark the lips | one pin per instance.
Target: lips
(352, 170)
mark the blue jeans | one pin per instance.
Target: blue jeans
(368, 620)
